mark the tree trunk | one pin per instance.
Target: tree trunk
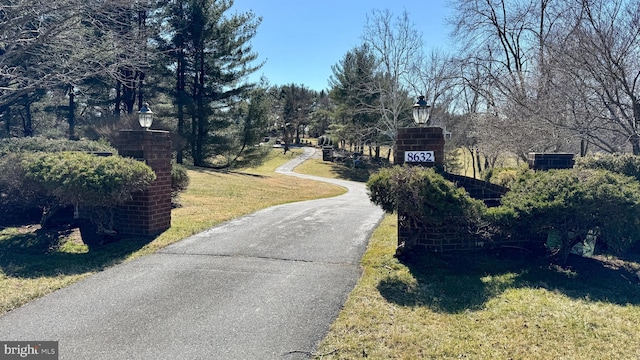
(180, 95)
(7, 120)
(27, 121)
(584, 147)
(116, 109)
(72, 114)
(635, 138)
(202, 114)
(479, 163)
(140, 85)
(473, 162)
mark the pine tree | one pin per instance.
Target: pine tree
(211, 57)
(356, 97)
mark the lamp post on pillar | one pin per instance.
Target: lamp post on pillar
(145, 116)
(421, 145)
(421, 111)
(149, 211)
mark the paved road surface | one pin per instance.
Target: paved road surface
(264, 286)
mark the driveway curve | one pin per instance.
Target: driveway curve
(264, 286)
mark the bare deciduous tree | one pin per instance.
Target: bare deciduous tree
(601, 58)
(563, 74)
(397, 46)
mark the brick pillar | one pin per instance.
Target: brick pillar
(420, 139)
(149, 212)
(416, 139)
(547, 161)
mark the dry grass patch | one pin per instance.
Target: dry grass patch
(493, 305)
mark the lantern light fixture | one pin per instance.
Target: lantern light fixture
(421, 111)
(145, 116)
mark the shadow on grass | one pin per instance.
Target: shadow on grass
(454, 283)
(352, 174)
(224, 171)
(349, 172)
(34, 254)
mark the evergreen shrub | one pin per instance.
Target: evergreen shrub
(504, 176)
(572, 203)
(39, 144)
(424, 198)
(569, 204)
(83, 179)
(20, 200)
(626, 164)
(179, 179)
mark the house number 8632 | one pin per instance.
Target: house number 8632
(419, 156)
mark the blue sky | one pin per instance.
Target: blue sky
(300, 40)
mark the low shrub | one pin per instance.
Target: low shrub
(179, 179)
(424, 198)
(626, 164)
(22, 200)
(325, 141)
(38, 144)
(77, 178)
(572, 203)
(88, 182)
(504, 176)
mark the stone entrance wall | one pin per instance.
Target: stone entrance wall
(448, 237)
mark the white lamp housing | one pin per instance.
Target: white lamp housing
(145, 116)
(421, 111)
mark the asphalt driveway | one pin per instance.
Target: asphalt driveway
(264, 286)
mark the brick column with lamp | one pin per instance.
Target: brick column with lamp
(418, 146)
(149, 212)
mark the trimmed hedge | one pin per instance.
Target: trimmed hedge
(572, 203)
(40, 175)
(626, 164)
(38, 144)
(82, 179)
(23, 200)
(424, 197)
